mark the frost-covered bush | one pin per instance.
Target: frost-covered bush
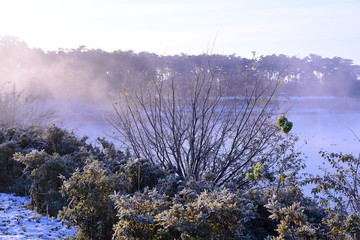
(88, 191)
(111, 155)
(339, 185)
(342, 226)
(293, 223)
(44, 171)
(293, 214)
(14, 140)
(171, 184)
(209, 215)
(338, 189)
(10, 171)
(35, 158)
(32, 160)
(107, 193)
(89, 204)
(62, 141)
(140, 173)
(218, 214)
(137, 214)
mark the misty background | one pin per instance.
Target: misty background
(80, 85)
(95, 75)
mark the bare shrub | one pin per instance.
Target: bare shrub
(21, 110)
(197, 128)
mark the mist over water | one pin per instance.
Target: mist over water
(326, 124)
(321, 123)
(86, 119)
(81, 85)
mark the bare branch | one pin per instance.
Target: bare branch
(196, 127)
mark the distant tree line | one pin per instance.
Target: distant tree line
(93, 74)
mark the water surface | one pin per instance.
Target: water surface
(322, 123)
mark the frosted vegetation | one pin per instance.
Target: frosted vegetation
(19, 109)
(203, 156)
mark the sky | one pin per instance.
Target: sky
(293, 27)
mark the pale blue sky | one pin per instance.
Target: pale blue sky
(292, 27)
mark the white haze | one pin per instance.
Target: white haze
(68, 87)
